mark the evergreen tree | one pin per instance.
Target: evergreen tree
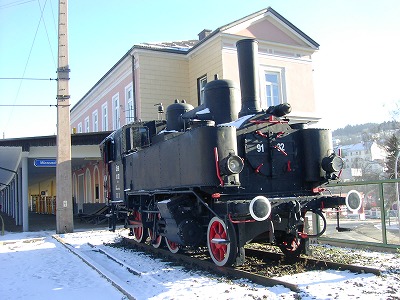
(392, 148)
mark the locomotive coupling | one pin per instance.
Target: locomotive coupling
(260, 208)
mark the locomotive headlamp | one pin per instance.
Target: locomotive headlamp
(332, 163)
(234, 164)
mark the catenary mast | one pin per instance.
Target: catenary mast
(64, 211)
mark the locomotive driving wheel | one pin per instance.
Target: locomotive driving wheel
(139, 234)
(172, 246)
(155, 238)
(292, 247)
(221, 242)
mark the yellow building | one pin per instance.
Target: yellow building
(153, 73)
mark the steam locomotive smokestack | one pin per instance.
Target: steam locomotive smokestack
(247, 51)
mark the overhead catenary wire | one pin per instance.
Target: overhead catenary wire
(15, 3)
(32, 105)
(28, 59)
(54, 18)
(47, 33)
(24, 78)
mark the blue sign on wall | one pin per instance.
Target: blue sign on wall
(49, 162)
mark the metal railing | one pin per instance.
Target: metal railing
(375, 225)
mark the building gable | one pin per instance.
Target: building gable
(267, 31)
(269, 26)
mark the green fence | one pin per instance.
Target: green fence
(376, 224)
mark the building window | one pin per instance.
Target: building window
(96, 181)
(130, 110)
(97, 192)
(80, 128)
(273, 86)
(88, 187)
(116, 112)
(201, 83)
(104, 117)
(95, 119)
(87, 129)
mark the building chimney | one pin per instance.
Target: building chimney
(204, 33)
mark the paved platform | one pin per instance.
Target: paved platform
(39, 222)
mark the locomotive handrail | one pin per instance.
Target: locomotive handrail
(154, 192)
(116, 201)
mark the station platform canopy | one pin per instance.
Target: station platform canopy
(42, 150)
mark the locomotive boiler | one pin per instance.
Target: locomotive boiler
(223, 174)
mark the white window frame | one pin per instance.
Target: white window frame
(116, 112)
(80, 127)
(201, 83)
(130, 109)
(281, 85)
(95, 121)
(87, 124)
(104, 117)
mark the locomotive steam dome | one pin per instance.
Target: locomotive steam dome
(174, 113)
(220, 96)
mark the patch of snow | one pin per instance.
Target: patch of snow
(237, 123)
(33, 265)
(203, 111)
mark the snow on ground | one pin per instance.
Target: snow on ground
(33, 265)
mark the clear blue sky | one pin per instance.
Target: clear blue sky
(355, 70)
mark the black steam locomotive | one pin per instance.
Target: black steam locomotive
(218, 177)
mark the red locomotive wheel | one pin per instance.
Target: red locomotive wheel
(139, 235)
(292, 248)
(172, 246)
(155, 239)
(221, 242)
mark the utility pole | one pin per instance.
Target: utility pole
(64, 205)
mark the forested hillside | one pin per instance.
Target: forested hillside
(352, 134)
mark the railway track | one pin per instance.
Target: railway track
(121, 274)
(88, 260)
(202, 262)
(314, 263)
(126, 278)
(252, 272)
